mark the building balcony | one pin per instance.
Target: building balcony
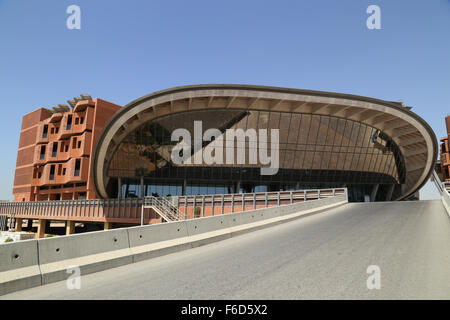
(75, 147)
(76, 123)
(83, 104)
(72, 171)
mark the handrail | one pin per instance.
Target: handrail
(131, 210)
(163, 206)
(437, 182)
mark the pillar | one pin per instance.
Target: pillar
(183, 191)
(373, 195)
(389, 192)
(41, 228)
(108, 225)
(119, 187)
(70, 227)
(11, 223)
(19, 222)
(142, 187)
(29, 225)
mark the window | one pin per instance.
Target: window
(56, 130)
(39, 175)
(52, 172)
(69, 122)
(44, 132)
(77, 168)
(81, 120)
(55, 149)
(42, 155)
(52, 131)
(77, 120)
(59, 169)
(74, 143)
(61, 149)
(64, 172)
(67, 148)
(79, 144)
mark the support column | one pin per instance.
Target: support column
(108, 225)
(183, 191)
(373, 195)
(41, 228)
(389, 192)
(19, 222)
(142, 187)
(11, 223)
(29, 226)
(238, 186)
(70, 227)
(119, 187)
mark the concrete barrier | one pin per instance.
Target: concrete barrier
(152, 241)
(97, 251)
(19, 268)
(272, 216)
(91, 252)
(209, 229)
(446, 200)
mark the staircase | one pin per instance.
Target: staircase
(163, 207)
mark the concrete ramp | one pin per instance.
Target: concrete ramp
(322, 256)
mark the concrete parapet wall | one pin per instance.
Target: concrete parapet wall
(19, 268)
(446, 200)
(92, 252)
(151, 241)
(46, 260)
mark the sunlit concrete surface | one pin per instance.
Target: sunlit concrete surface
(324, 256)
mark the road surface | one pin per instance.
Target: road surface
(324, 256)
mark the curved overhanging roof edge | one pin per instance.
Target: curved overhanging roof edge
(375, 112)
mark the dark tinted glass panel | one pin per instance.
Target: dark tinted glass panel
(314, 151)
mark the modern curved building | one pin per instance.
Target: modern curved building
(289, 139)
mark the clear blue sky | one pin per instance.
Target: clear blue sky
(127, 49)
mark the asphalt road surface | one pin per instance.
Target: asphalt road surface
(324, 256)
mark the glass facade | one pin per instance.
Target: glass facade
(315, 151)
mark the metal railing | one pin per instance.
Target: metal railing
(132, 210)
(163, 207)
(447, 186)
(437, 182)
(209, 205)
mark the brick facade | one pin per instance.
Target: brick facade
(53, 158)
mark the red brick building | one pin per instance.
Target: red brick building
(53, 158)
(445, 153)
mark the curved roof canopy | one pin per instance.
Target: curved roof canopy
(411, 133)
